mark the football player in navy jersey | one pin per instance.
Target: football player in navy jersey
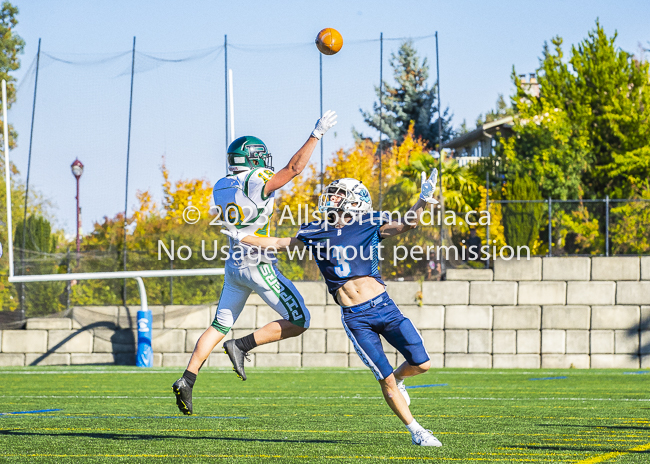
(346, 248)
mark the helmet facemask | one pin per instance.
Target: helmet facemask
(345, 196)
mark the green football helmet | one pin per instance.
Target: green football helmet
(248, 152)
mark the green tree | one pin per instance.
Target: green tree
(522, 221)
(588, 133)
(501, 110)
(38, 235)
(11, 45)
(411, 100)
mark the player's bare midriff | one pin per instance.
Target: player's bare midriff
(359, 290)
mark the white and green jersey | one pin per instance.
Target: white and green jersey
(242, 206)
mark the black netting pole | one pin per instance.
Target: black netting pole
(381, 111)
(322, 173)
(225, 73)
(128, 150)
(29, 165)
(442, 200)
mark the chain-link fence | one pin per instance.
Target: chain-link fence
(598, 227)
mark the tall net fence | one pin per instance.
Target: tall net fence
(167, 112)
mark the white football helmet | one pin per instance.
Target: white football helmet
(345, 196)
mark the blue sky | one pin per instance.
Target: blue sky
(82, 111)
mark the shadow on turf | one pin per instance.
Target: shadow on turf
(117, 436)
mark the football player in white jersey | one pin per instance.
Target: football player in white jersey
(244, 201)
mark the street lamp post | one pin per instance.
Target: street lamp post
(77, 170)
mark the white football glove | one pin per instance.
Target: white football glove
(325, 123)
(234, 234)
(428, 187)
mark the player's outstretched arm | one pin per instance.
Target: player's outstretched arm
(275, 243)
(299, 161)
(412, 218)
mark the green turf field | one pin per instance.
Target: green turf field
(122, 414)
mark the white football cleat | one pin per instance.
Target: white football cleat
(425, 438)
(402, 389)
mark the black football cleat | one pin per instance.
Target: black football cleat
(183, 394)
(237, 357)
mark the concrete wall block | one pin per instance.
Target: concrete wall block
(468, 360)
(265, 315)
(278, 360)
(573, 268)
(542, 293)
(313, 341)
(314, 293)
(470, 274)
(529, 341)
(333, 317)
(192, 337)
(456, 341)
(615, 268)
(246, 320)
(404, 292)
(434, 340)
(24, 341)
(565, 361)
(615, 361)
(220, 359)
(115, 341)
(445, 293)
(325, 360)
(290, 345)
(468, 317)
(645, 361)
(514, 269)
(602, 341)
(128, 359)
(591, 293)
(437, 360)
(92, 358)
(255, 300)
(566, 317)
(70, 341)
(317, 317)
(517, 317)
(645, 342)
(626, 341)
(516, 361)
(493, 293)
(187, 317)
(48, 323)
(84, 315)
(52, 359)
(127, 317)
(633, 293)
(615, 317)
(577, 341)
(337, 341)
(553, 341)
(425, 317)
(12, 359)
(168, 341)
(645, 318)
(480, 341)
(504, 342)
(645, 267)
(176, 359)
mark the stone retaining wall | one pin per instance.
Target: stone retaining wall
(546, 312)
